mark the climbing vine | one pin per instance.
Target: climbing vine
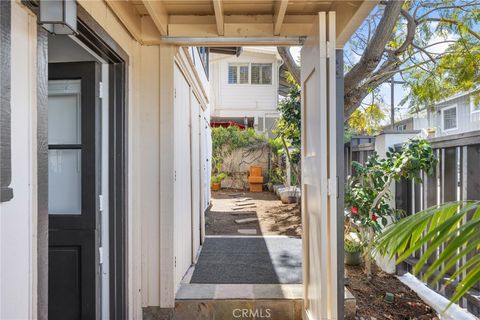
(226, 140)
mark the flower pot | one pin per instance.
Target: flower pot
(215, 186)
(353, 258)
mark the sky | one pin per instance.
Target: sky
(385, 92)
(401, 111)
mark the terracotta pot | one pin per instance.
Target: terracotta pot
(353, 258)
(215, 186)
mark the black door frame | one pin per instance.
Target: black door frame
(78, 233)
(99, 41)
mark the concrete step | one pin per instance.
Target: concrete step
(245, 301)
(239, 301)
(238, 309)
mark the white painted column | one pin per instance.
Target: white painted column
(167, 259)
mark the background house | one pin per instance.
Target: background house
(409, 124)
(244, 88)
(457, 114)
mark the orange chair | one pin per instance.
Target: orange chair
(256, 179)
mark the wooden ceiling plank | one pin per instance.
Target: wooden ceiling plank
(127, 14)
(218, 8)
(279, 15)
(159, 15)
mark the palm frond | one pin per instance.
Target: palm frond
(452, 230)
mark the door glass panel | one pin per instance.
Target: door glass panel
(64, 182)
(64, 121)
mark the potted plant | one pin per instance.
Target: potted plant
(217, 180)
(353, 251)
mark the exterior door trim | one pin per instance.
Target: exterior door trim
(99, 41)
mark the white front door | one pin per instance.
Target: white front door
(319, 170)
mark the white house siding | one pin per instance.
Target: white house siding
(149, 92)
(466, 120)
(190, 107)
(18, 260)
(18, 223)
(240, 100)
(182, 181)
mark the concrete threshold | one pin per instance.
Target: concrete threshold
(200, 291)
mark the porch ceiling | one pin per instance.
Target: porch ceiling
(234, 21)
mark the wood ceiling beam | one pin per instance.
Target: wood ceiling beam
(218, 8)
(158, 13)
(127, 14)
(279, 15)
(237, 29)
(238, 25)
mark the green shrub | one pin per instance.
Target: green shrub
(352, 246)
(225, 140)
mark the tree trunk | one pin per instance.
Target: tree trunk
(368, 253)
(289, 62)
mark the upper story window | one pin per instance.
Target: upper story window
(203, 54)
(261, 73)
(474, 104)
(238, 73)
(254, 73)
(449, 118)
(402, 127)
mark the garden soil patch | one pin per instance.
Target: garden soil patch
(370, 297)
(274, 217)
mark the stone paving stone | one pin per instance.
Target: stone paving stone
(246, 220)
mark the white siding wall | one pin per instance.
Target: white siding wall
(466, 120)
(191, 178)
(239, 99)
(196, 172)
(18, 291)
(18, 222)
(183, 180)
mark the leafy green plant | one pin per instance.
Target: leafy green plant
(368, 191)
(218, 178)
(352, 246)
(225, 140)
(288, 128)
(276, 175)
(439, 227)
(367, 120)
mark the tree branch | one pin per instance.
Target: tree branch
(376, 46)
(454, 22)
(289, 62)
(411, 26)
(462, 7)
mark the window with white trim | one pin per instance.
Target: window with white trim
(474, 104)
(238, 73)
(261, 73)
(449, 118)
